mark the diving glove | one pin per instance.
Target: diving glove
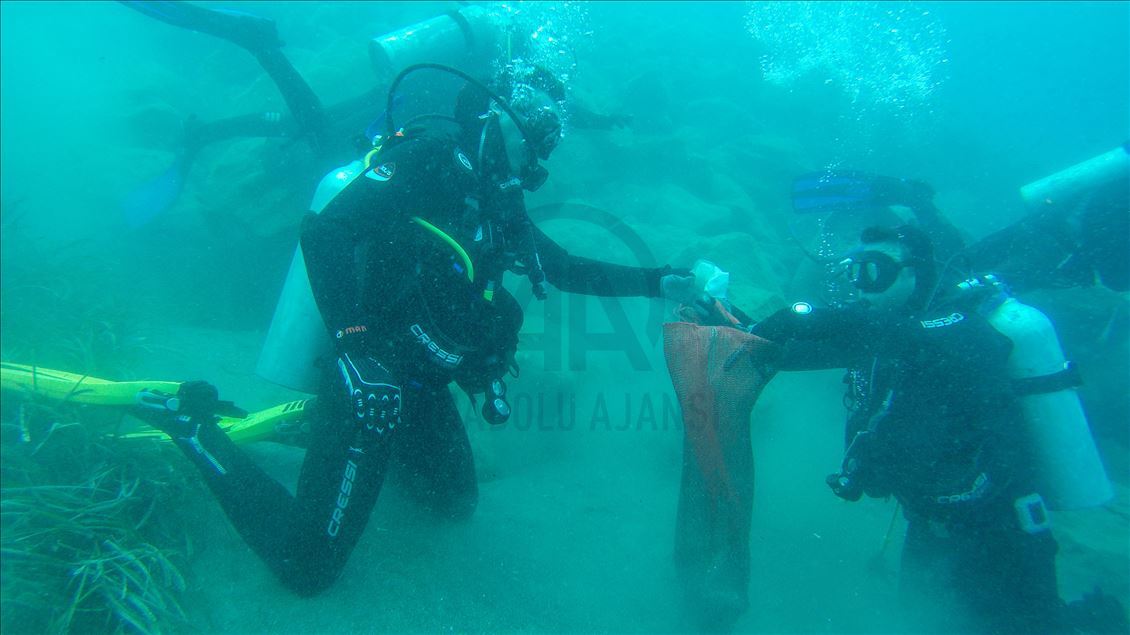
(374, 399)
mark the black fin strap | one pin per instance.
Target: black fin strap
(1069, 377)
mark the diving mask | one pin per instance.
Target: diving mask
(541, 118)
(872, 271)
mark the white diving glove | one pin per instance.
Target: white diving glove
(705, 284)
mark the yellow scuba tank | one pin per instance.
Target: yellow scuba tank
(297, 336)
(1069, 473)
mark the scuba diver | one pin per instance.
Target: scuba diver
(406, 265)
(470, 38)
(841, 203)
(1077, 235)
(937, 420)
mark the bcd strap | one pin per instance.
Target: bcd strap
(1069, 377)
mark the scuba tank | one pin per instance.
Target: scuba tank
(1069, 473)
(470, 38)
(1068, 185)
(298, 336)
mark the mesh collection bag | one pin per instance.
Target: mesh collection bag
(717, 373)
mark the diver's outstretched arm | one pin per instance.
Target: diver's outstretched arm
(351, 114)
(262, 124)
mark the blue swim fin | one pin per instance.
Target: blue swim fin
(822, 192)
(151, 199)
(849, 190)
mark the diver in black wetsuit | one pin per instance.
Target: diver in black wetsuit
(406, 265)
(934, 422)
(1054, 247)
(332, 131)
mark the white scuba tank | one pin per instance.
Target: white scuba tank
(1069, 473)
(1068, 185)
(298, 336)
(470, 39)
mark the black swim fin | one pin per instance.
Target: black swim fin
(252, 32)
(259, 37)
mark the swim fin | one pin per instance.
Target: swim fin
(272, 423)
(822, 192)
(58, 385)
(849, 190)
(243, 29)
(154, 197)
(259, 37)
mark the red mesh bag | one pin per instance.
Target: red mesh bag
(718, 374)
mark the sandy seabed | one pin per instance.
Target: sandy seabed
(574, 530)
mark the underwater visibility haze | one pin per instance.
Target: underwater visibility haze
(156, 183)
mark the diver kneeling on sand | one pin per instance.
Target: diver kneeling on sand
(943, 396)
(406, 265)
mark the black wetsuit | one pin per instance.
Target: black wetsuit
(1064, 248)
(409, 320)
(934, 422)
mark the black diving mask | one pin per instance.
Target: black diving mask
(873, 271)
(541, 119)
(544, 127)
(541, 132)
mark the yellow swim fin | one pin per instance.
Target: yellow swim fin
(60, 385)
(82, 389)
